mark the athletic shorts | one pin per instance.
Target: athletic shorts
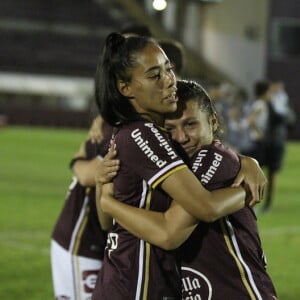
(74, 277)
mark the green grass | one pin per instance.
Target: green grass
(34, 176)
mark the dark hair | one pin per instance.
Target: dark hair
(116, 61)
(175, 52)
(261, 87)
(187, 90)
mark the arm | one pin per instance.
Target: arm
(220, 202)
(253, 177)
(95, 133)
(204, 205)
(167, 230)
(106, 221)
(105, 172)
(83, 168)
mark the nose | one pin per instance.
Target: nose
(180, 136)
(169, 79)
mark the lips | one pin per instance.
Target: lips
(171, 97)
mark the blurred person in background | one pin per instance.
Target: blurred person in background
(280, 118)
(238, 136)
(233, 241)
(78, 241)
(258, 118)
(222, 94)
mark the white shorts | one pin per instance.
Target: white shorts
(74, 277)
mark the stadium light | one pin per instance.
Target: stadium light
(159, 4)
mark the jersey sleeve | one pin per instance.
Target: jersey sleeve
(148, 152)
(216, 166)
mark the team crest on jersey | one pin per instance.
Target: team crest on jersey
(89, 278)
(195, 285)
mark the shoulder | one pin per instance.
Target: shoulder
(216, 149)
(215, 163)
(141, 133)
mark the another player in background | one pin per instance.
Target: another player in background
(222, 259)
(280, 117)
(77, 241)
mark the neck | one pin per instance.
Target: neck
(157, 119)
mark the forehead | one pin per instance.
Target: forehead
(150, 57)
(191, 111)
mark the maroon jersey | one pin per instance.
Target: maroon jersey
(77, 228)
(224, 259)
(132, 268)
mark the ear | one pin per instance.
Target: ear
(124, 88)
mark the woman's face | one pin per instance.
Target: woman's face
(193, 129)
(153, 84)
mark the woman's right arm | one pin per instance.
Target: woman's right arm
(167, 230)
(186, 189)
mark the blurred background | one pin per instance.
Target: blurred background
(49, 50)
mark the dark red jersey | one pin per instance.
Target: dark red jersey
(132, 268)
(77, 228)
(224, 259)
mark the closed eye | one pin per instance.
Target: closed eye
(191, 124)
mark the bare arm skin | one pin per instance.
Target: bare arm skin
(106, 221)
(95, 133)
(185, 188)
(105, 172)
(85, 170)
(167, 230)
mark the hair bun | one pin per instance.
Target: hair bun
(114, 41)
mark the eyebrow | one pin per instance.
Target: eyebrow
(156, 67)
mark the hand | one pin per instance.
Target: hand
(253, 179)
(108, 167)
(95, 133)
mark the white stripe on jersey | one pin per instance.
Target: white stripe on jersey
(78, 224)
(142, 247)
(141, 270)
(238, 252)
(164, 170)
(144, 194)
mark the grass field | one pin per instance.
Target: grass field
(34, 176)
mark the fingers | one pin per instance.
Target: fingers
(255, 197)
(257, 193)
(111, 168)
(111, 165)
(238, 180)
(112, 152)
